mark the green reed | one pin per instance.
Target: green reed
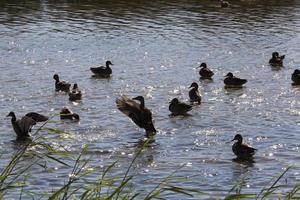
(14, 177)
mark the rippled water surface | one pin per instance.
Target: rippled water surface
(155, 47)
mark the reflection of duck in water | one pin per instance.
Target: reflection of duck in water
(23, 126)
(194, 93)
(204, 72)
(137, 112)
(296, 77)
(179, 108)
(276, 60)
(102, 71)
(242, 151)
(61, 85)
(233, 82)
(66, 113)
(75, 93)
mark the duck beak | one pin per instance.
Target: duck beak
(232, 140)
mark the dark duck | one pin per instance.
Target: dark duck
(61, 85)
(242, 151)
(179, 108)
(137, 112)
(224, 4)
(296, 77)
(204, 72)
(194, 93)
(276, 60)
(231, 81)
(66, 113)
(75, 94)
(102, 71)
(23, 126)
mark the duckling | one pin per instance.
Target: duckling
(296, 77)
(66, 113)
(242, 150)
(61, 85)
(194, 93)
(224, 4)
(276, 60)
(179, 108)
(75, 93)
(23, 126)
(233, 82)
(102, 71)
(137, 112)
(204, 72)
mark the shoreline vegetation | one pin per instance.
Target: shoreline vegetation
(14, 176)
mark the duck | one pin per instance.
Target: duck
(276, 60)
(179, 108)
(224, 4)
(242, 150)
(296, 77)
(103, 71)
(137, 112)
(66, 113)
(204, 72)
(233, 82)
(75, 93)
(61, 85)
(194, 93)
(23, 126)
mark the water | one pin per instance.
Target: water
(155, 47)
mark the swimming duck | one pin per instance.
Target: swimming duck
(66, 113)
(61, 85)
(137, 112)
(224, 4)
(179, 108)
(242, 150)
(204, 72)
(276, 60)
(194, 93)
(296, 77)
(102, 71)
(75, 93)
(23, 126)
(233, 82)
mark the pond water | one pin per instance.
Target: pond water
(155, 47)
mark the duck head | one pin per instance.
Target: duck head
(275, 54)
(194, 85)
(238, 137)
(11, 114)
(75, 86)
(65, 110)
(203, 65)
(230, 75)
(174, 101)
(108, 63)
(56, 77)
(297, 71)
(141, 100)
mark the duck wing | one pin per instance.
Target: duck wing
(205, 72)
(194, 96)
(25, 124)
(37, 117)
(130, 108)
(98, 70)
